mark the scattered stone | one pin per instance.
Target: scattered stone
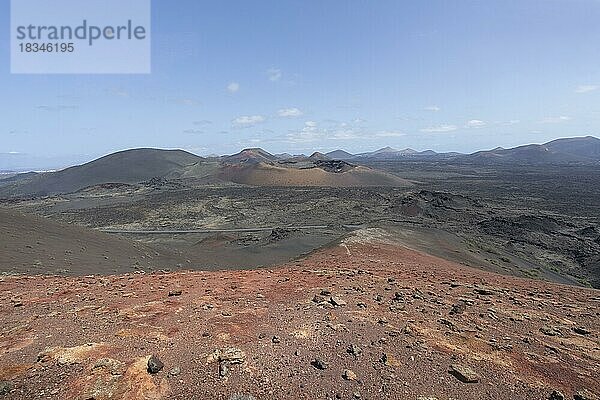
(173, 293)
(154, 365)
(581, 330)
(396, 307)
(319, 299)
(325, 292)
(349, 375)
(448, 324)
(231, 355)
(556, 395)
(276, 339)
(319, 364)
(390, 361)
(408, 330)
(483, 291)
(584, 394)
(549, 331)
(398, 296)
(458, 308)
(5, 388)
(226, 358)
(354, 350)
(175, 371)
(336, 301)
(463, 373)
(241, 396)
(223, 369)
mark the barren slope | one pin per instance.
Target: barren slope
(262, 174)
(129, 166)
(367, 319)
(34, 245)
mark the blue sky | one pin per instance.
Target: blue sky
(299, 76)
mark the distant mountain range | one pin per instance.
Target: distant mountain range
(560, 151)
(258, 167)
(570, 150)
(389, 153)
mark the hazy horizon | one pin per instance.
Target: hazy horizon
(25, 163)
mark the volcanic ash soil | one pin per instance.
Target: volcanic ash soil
(364, 320)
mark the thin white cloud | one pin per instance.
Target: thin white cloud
(586, 88)
(290, 112)
(311, 132)
(247, 121)
(475, 123)
(203, 122)
(439, 129)
(274, 74)
(390, 134)
(555, 120)
(56, 108)
(186, 102)
(432, 108)
(233, 87)
(193, 131)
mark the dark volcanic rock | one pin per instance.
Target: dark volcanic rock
(154, 365)
(581, 330)
(319, 364)
(484, 291)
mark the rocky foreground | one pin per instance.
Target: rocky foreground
(367, 319)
